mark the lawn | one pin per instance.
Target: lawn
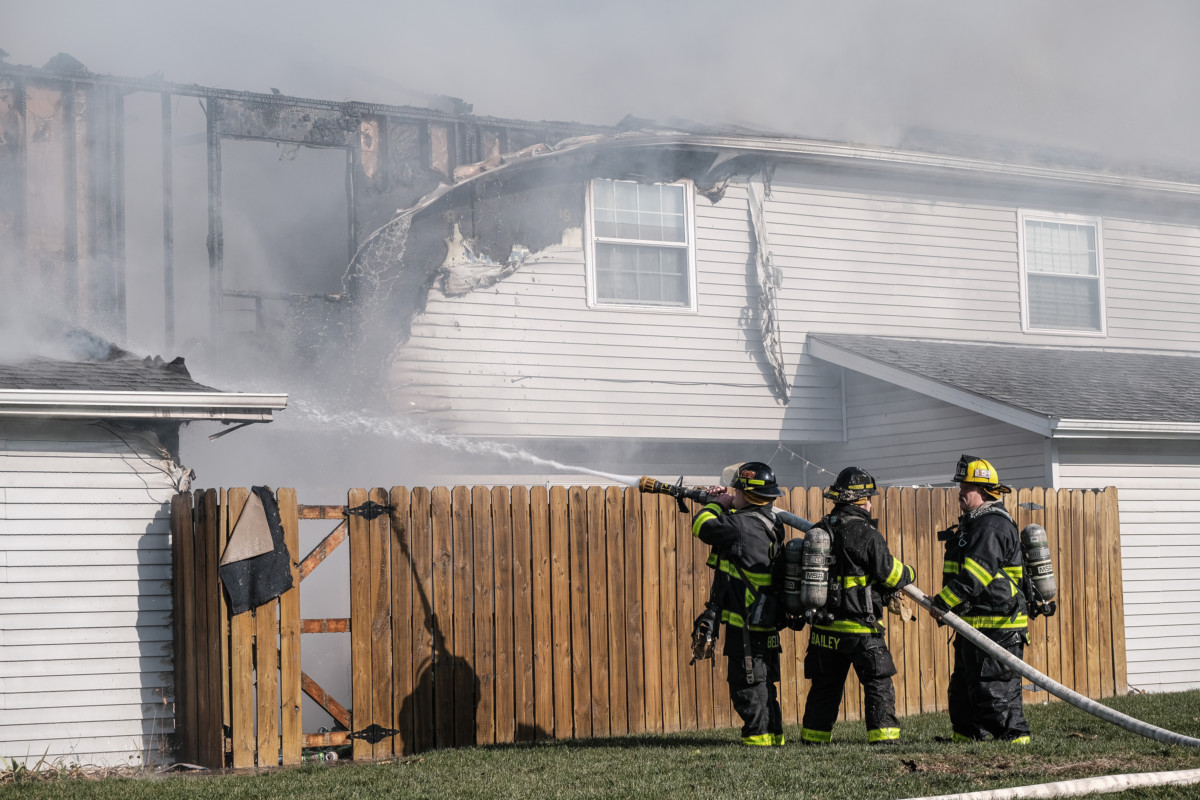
(1067, 744)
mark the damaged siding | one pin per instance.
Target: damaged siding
(85, 596)
(526, 357)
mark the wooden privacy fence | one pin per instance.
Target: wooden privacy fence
(489, 615)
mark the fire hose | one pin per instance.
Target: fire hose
(1046, 682)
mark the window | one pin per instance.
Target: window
(1062, 276)
(640, 250)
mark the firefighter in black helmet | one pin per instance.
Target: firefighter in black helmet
(981, 576)
(847, 632)
(740, 525)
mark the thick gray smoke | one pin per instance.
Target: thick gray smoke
(1105, 76)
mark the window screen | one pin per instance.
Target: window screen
(641, 246)
(1062, 274)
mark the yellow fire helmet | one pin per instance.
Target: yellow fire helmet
(972, 469)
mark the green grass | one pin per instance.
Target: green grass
(1067, 744)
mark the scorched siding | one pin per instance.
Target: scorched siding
(527, 357)
(85, 595)
(1158, 485)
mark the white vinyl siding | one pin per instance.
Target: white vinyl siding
(1158, 490)
(1152, 274)
(85, 596)
(904, 438)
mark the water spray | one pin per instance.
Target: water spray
(399, 428)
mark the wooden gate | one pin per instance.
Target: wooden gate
(489, 615)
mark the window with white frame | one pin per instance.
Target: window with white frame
(1063, 281)
(640, 248)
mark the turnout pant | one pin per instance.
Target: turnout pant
(757, 701)
(827, 664)
(985, 695)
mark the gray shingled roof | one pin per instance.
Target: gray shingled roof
(122, 374)
(1080, 383)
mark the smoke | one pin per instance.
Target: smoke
(1111, 77)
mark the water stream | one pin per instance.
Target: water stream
(400, 428)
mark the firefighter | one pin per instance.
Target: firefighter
(981, 577)
(847, 632)
(739, 523)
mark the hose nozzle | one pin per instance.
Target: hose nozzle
(676, 490)
(650, 485)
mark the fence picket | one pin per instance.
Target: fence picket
(562, 586)
(483, 595)
(599, 590)
(361, 610)
(241, 650)
(441, 667)
(509, 579)
(404, 621)
(624, 618)
(427, 638)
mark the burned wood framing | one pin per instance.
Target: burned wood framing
(74, 245)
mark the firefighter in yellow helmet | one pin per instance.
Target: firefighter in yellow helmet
(981, 579)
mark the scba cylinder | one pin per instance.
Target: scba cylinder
(793, 576)
(814, 584)
(1035, 546)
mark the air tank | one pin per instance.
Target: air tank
(1036, 548)
(793, 576)
(814, 584)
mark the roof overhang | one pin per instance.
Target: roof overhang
(180, 406)
(1043, 425)
(939, 391)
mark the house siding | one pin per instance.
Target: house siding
(1158, 486)
(85, 596)
(931, 263)
(906, 438)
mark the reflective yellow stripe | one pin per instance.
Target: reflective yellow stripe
(1016, 573)
(759, 739)
(736, 620)
(950, 568)
(778, 740)
(706, 515)
(883, 735)
(844, 626)
(998, 623)
(977, 572)
(850, 581)
(949, 597)
(809, 735)
(757, 579)
(1021, 740)
(894, 576)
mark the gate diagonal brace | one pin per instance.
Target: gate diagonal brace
(373, 733)
(370, 510)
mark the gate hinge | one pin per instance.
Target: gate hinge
(370, 510)
(373, 733)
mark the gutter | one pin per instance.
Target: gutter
(183, 406)
(1123, 429)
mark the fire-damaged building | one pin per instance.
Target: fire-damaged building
(649, 299)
